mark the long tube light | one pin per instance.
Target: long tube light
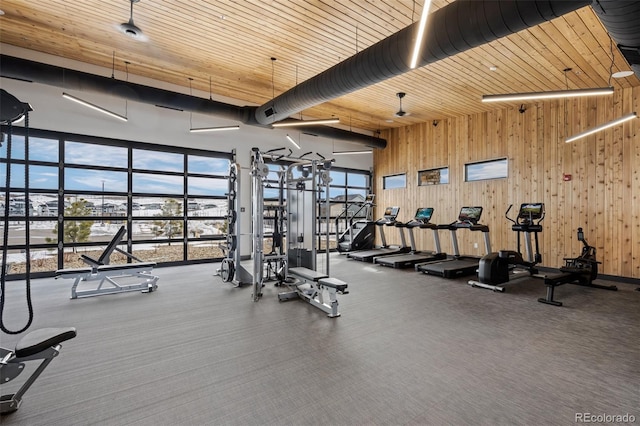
(602, 127)
(548, 95)
(421, 27)
(351, 152)
(213, 129)
(94, 107)
(290, 139)
(306, 122)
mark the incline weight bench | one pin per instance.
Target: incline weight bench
(310, 286)
(100, 270)
(41, 344)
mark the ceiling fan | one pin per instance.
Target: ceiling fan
(130, 29)
(401, 112)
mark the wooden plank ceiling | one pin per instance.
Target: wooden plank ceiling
(231, 43)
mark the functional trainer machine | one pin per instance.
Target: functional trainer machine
(359, 234)
(497, 269)
(108, 275)
(458, 266)
(389, 219)
(42, 344)
(581, 270)
(304, 181)
(421, 220)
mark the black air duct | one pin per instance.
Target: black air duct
(622, 21)
(452, 29)
(25, 70)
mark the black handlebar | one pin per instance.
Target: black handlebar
(506, 214)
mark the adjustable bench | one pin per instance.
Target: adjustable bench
(310, 286)
(41, 344)
(107, 274)
(100, 270)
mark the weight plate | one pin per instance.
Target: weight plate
(231, 218)
(227, 270)
(233, 242)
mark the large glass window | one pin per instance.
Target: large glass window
(146, 159)
(43, 177)
(394, 181)
(207, 165)
(437, 176)
(491, 169)
(172, 213)
(95, 155)
(347, 193)
(207, 186)
(76, 179)
(43, 149)
(154, 183)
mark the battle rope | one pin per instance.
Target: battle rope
(5, 236)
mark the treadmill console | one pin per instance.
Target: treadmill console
(470, 215)
(391, 213)
(423, 214)
(530, 212)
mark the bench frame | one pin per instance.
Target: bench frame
(311, 286)
(43, 344)
(108, 275)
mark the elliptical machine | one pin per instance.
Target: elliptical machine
(497, 269)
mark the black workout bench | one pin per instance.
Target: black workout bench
(42, 344)
(310, 285)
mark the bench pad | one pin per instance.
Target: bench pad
(307, 274)
(339, 285)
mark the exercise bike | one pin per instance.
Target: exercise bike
(581, 270)
(497, 269)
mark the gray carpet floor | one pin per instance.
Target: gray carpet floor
(409, 349)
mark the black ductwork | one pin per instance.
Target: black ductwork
(68, 79)
(457, 27)
(622, 20)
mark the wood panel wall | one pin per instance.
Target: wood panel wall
(603, 196)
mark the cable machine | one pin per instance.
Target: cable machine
(296, 217)
(276, 259)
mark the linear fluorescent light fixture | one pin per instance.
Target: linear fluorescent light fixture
(213, 129)
(290, 139)
(602, 127)
(306, 122)
(94, 107)
(351, 152)
(417, 47)
(548, 95)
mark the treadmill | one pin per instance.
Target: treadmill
(408, 260)
(459, 265)
(389, 219)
